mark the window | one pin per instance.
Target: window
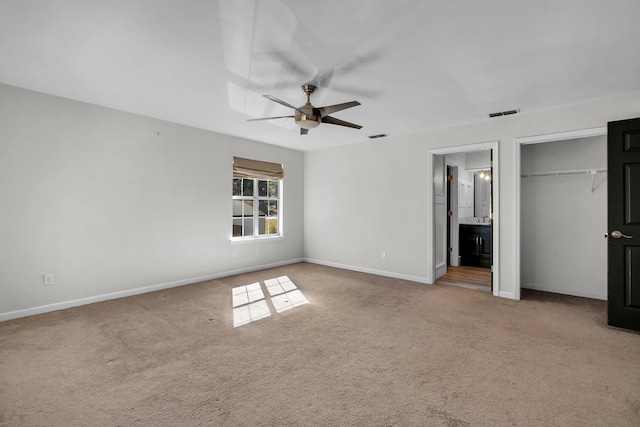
(257, 188)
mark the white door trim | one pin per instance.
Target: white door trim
(431, 220)
(453, 229)
(538, 139)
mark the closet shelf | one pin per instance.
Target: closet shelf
(576, 172)
(565, 173)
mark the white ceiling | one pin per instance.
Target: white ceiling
(414, 65)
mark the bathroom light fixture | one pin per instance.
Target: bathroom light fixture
(482, 174)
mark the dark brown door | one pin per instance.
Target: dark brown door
(623, 171)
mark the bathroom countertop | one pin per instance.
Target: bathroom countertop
(474, 221)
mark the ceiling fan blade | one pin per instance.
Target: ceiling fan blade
(269, 118)
(358, 60)
(279, 101)
(325, 111)
(334, 121)
(292, 65)
(353, 91)
(322, 78)
(304, 131)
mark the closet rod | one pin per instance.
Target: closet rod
(565, 173)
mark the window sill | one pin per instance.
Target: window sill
(243, 240)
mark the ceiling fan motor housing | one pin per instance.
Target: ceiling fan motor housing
(307, 117)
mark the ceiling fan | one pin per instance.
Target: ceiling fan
(308, 116)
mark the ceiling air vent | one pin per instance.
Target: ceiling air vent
(380, 135)
(504, 113)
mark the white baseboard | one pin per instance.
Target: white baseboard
(572, 292)
(136, 291)
(369, 270)
(441, 270)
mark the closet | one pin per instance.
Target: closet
(564, 217)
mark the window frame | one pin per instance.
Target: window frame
(256, 198)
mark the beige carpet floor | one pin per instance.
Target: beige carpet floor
(365, 351)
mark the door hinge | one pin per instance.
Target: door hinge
(450, 213)
(450, 249)
(450, 177)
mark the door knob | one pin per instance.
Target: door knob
(617, 234)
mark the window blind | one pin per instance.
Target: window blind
(247, 168)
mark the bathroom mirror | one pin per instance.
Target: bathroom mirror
(475, 196)
(482, 195)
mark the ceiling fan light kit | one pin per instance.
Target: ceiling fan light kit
(309, 117)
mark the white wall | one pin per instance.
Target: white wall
(563, 222)
(364, 198)
(113, 202)
(359, 201)
(478, 160)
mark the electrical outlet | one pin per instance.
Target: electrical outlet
(48, 279)
(383, 254)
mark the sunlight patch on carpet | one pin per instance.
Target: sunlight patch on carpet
(279, 285)
(250, 313)
(245, 294)
(249, 303)
(288, 301)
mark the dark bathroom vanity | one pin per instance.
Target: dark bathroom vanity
(476, 244)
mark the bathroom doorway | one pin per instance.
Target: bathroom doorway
(465, 249)
(469, 220)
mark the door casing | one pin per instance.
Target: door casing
(452, 196)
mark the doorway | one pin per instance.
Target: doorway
(452, 207)
(468, 225)
(588, 179)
